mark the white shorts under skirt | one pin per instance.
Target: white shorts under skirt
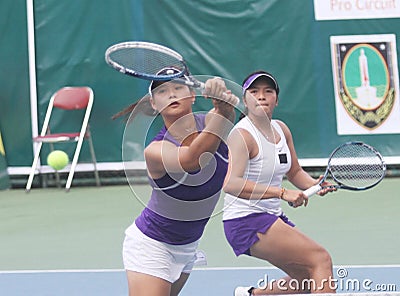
(146, 255)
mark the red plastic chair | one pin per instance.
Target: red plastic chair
(67, 98)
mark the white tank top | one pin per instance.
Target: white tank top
(268, 167)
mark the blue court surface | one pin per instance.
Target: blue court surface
(203, 281)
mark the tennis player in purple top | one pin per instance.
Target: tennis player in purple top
(187, 163)
(261, 154)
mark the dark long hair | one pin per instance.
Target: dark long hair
(143, 105)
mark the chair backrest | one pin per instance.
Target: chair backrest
(72, 98)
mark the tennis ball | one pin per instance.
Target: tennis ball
(57, 159)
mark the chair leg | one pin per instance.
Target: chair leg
(72, 169)
(74, 162)
(58, 181)
(96, 172)
(33, 168)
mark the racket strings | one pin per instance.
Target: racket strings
(144, 60)
(356, 166)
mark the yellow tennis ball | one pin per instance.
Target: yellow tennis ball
(57, 159)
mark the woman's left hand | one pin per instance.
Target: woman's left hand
(329, 187)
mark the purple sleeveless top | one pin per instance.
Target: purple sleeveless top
(181, 204)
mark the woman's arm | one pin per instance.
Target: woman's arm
(163, 156)
(243, 147)
(296, 175)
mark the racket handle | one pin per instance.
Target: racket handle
(312, 190)
(200, 85)
(309, 192)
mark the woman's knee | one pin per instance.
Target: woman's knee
(322, 262)
(317, 264)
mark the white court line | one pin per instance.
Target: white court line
(273, 267)
(201, 268)
(60, 270)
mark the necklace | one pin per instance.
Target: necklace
(271, 138)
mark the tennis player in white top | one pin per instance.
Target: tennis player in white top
(261, 154)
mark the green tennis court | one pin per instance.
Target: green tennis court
(51, 239)
(337, 63)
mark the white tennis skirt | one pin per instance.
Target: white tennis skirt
(149, 256)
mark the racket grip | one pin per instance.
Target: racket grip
(309, 192)
(202, 86)
(312, 190)
(236, 101)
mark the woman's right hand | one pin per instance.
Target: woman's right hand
(223, 99)
(225, 107)
(295, 198)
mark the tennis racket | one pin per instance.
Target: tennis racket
(353, 166)
(144, 60)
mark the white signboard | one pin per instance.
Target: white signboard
(356, 9)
